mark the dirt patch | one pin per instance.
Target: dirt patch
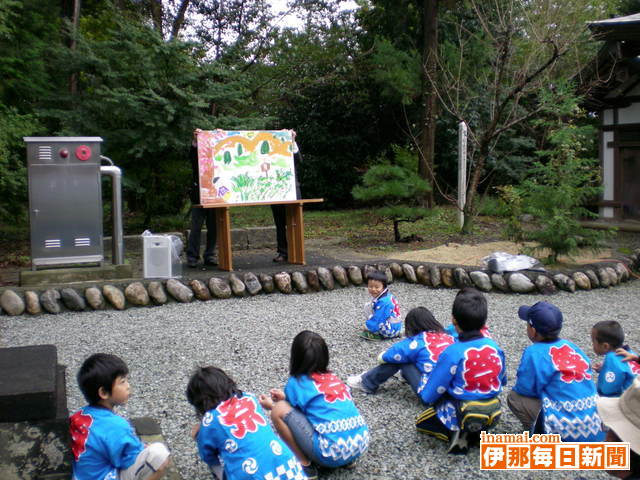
(455, 253)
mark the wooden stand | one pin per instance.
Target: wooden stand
(295, 229)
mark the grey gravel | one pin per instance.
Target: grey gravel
(250, 339)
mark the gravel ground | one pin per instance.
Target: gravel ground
(250, 339)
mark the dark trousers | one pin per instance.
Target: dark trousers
(280, 219)
(375, 377)
(199, 216)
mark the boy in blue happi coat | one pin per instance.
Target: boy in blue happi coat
(103, 444)
(461, 392)
(554, 390)
(383, 312)
(615, 375)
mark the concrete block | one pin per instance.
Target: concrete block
(56, 276)
(261, 237)
(31, 384)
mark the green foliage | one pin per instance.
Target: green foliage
(561, 182)
(397, 72)
(394, 188)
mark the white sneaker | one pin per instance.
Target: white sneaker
(355, 381)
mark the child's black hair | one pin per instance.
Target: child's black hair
(100, 370)
(470, 309)
(309, 354)
(379, 276)
(208, 387)
(609, 331)
(420, 319)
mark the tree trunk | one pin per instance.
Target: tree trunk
(426, 167)
(396, 230)
(478, 167)
(75, 21)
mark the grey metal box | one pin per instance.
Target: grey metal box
(65, 200)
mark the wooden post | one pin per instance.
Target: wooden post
(462, 171)
(223, 229)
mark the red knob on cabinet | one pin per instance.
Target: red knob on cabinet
(83, 153)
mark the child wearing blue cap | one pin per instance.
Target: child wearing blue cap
(554, 390)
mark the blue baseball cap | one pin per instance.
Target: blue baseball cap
(545, 317)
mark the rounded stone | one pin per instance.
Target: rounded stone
(283, 282)
(446, 275)
(12, 303)
(387, 271)
(340, 275)
(313, 280)
(157, 293)
(603, 277)
(179, 291)
(252, 283)
(326, 279)
(114, 295)
(32, 303)
(219, 287)
(267, 282)
(520, 283)
(409, 273)
(545, 285)
(422, 275)
(94, 298)
(200, 290)
(299, 281)
(434, 275)
(49, 300)
(366, 270)
(593, 278)
(73, 300)
(137, 294)
(238, 287)
(498, 281)
(396, 270)
(481, 280)
(461, 277)
(613, 276)
(622, 271)
(355, 274)
(564, 282)
(582, 281)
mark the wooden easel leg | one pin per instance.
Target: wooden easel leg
(223, 229)
(295, 234)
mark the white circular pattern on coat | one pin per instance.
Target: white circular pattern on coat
(458, 391)
(413, 345)
(441, 389)
(230, 445)
(276, 448)
(207, 419)
(610, 377)
(397, 357)
(250, 466)
(427, 367)
(453, 369)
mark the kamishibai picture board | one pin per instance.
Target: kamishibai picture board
(246, 166)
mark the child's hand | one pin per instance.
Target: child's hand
(628, 356)
(194, 430)
(277, 395)
(265, 401)
(597, 366)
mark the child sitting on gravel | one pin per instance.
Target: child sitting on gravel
(103, 443)
(383, 312)
(615, 375)
(554, 390)
(234, 434)
(315, 413)
(461, 393)
(415, 356)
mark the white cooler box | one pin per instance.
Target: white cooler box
(159, 259)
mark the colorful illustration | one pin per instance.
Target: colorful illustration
(246, 166)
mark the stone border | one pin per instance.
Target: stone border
(137, 294)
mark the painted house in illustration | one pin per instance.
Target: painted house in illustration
(615, 72)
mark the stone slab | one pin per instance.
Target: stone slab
(56, 276)
(29, 382)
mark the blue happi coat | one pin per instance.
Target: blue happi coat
(615, 375)
(384, 315)
(102, 443)
(238, 433)
(340, 433)
(560, 375)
